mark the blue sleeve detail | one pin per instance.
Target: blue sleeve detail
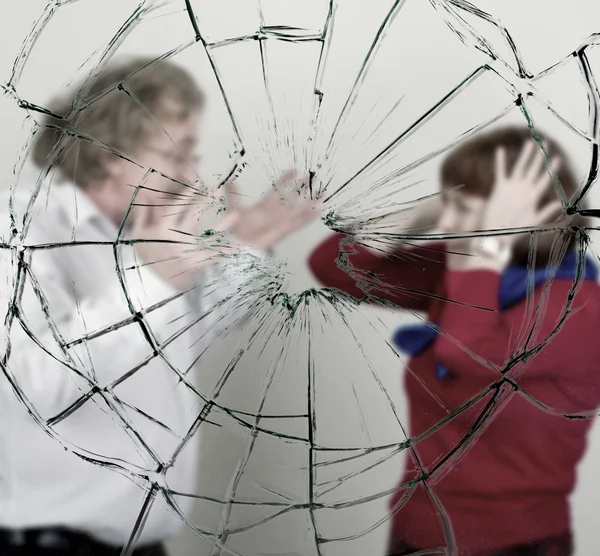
(414, 339)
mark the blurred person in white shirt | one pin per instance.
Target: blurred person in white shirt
(102, 332)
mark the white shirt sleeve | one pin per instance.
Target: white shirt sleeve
(59, 347)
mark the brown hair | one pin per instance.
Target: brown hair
(110, 115)
(472, 166)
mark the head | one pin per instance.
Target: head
(467, 177)
(131, 118)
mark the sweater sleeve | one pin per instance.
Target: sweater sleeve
(406, 277)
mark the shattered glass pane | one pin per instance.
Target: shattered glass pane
(282, 417)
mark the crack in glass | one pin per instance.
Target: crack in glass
(369, 150)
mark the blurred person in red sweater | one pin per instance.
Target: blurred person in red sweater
(502, 379)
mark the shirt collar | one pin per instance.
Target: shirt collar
(81, 209)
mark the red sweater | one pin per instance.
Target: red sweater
(509, 480)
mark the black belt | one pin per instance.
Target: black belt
(65, 542)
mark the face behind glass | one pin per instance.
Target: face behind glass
(173, 156)
(461, 214)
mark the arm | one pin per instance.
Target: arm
(41, 362)
(406, 277)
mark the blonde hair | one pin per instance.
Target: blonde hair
(118, 110)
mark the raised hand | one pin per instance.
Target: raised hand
(515, 198)
(167, 234)
(279, 213)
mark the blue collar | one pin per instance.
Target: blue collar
(516, 280)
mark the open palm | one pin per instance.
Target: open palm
(277, 214)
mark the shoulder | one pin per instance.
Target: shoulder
(572, 310)
(40, 216)
(585, 297)
(30, 220)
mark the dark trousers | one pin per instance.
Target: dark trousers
(61, 542)
(559, 545)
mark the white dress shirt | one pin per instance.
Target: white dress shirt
(83, 471)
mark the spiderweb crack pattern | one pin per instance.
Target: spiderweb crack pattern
(363, 158)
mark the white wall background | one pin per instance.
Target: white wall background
(420, 61)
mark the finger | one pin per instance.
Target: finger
(310, 205)
(307, 216)
(304, 182)
(555, 165)
(287, 208)
(285, 178)
(536, 169)
(271, 198)
(524, 160)
(500, 165)
(283, 189)
(299, 187)
(546, 178)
